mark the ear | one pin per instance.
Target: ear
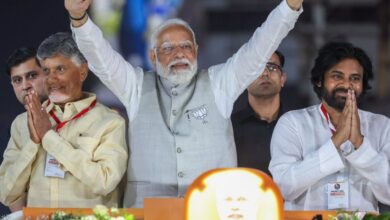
(318, 84)
(152, 57)
(84, 72)
(283, 79)
(196, 50)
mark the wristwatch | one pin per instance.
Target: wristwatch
(346, 149)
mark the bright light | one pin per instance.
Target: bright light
(237, 193)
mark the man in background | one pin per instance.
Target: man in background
(26, 75)
(257, 111)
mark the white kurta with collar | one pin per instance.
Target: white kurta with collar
(304, 160)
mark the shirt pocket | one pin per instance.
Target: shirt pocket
(87, 144)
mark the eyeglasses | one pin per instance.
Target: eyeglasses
(273, 67)
(168, 48)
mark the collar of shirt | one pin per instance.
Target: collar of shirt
(325, 116)
(71, 108)
(169, 86)
(247, 113)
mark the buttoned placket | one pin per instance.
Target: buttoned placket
(175, 113)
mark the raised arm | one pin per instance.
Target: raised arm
(77, 10)
(230, 79)
(113, 70)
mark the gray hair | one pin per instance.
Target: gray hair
(170, 23)
(63, 44)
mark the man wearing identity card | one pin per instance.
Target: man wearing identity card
(71, 150)
(334, 155)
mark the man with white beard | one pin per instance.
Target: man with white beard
(180, 117)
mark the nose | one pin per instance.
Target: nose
(26, 86)
(178, 52)
(51, 78)
(265, 73)
(347, 83)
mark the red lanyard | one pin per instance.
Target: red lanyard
(61, 124)
(326, 115)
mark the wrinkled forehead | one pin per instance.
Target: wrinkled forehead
(179, 43)
(174, 34)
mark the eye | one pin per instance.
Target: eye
(60, 69)
(167, 49)
(355, 78)
(16, 80)
(187, 47)
(271, 68)
(32, 75)
(336, 77)
(45, 71)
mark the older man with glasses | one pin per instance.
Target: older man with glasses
(179, 117)
(255, 115)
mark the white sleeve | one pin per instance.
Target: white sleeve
(116, 73)
(230, 79)
(374, 165)
(294, 172)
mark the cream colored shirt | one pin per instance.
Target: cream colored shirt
(91, 150)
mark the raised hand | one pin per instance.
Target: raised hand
(295, 4)
(343, 128)
(77, 8)
(39, 118)
(356, 136)
(33, 133)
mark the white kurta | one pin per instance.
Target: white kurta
(304, 160)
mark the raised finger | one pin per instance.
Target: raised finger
(29, 118)
(347, 106)
(36, 104)
(28, 100)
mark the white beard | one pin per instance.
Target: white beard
(177, 77)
